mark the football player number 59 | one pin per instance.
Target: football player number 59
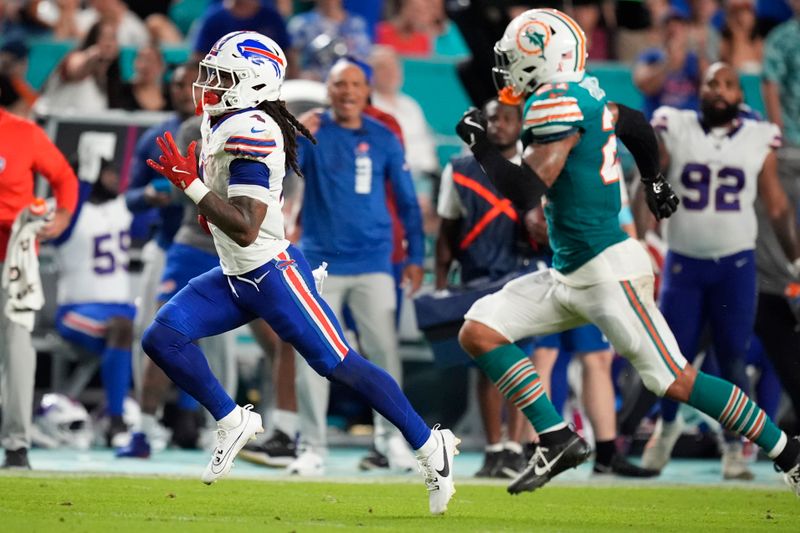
(105, 260)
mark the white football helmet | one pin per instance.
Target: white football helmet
(242, 69)
(61, 421)
(539, 46)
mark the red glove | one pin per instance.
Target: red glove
(203, 221)
(180, 170)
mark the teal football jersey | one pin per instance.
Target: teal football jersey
(583, 205)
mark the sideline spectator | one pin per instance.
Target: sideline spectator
(387, 78)
(741, 46)
(326, 34)
(234, 15)
(87, 78)
(777, 318)
(414, 27)
(17, 96)
(130, 29)
(346, 172)
(146, 92)
(25, 150)
(670, 75)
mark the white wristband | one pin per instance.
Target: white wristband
(196, 191)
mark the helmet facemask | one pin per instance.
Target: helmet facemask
(218, 87)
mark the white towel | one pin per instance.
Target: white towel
(20, 278)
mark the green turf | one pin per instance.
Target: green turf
(116, 504)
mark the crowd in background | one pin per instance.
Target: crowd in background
(667, 45)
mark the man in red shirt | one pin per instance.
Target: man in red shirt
(25, 150)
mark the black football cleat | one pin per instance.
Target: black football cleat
(547, 463)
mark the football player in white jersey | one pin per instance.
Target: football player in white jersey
(249, 137)
(95, 310)
(718, 162)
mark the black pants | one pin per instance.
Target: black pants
(779, 331)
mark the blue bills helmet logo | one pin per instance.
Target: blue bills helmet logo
(259, 53)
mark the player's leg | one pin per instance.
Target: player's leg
(100, 329)
(732, 310)
(17, 378)
(627, 314)
(777, 327)
(116, 370)
(373, 302)
(599, 401)
(280, 449)
(683, 305)
(291, 304)
(526, 306)
(313, 393)
(208, 305)
(490, 404)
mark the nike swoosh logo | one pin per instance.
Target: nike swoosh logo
(178, 171)
(262, 276)
(253, 130)
(741, 262)
(468, 120)
(225, 457)
(547, 465)
(444, 472)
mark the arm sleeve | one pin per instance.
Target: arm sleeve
(249, 178)
(638, 136)
(52, 164)
(407, 205)
(84, 190)
(449, 205)
(141, 175)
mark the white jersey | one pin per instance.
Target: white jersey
(715, 174)
(93, 261)
(254, 135)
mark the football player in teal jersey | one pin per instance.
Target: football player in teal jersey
(599, 275)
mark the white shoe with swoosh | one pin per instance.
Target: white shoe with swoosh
(437, 468)
(230, 441)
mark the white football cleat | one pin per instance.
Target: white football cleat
(308, 463)
(229, 441)
(397, 452)
(658, 449)
(437, 469)
(734, 463)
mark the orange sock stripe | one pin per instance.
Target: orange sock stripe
(530, 387)
(737, 413)
(509, 374)
(729, 405)
(758, 427)
(651, 329)
(525, 402)
(526, 373)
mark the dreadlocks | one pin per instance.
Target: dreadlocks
(289, 127)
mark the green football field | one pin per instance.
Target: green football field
(47, 503)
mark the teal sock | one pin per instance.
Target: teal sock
(727, 403)
(513, 373)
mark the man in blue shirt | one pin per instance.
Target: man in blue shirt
(346, 223)
(670, 75)
(235, 15)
